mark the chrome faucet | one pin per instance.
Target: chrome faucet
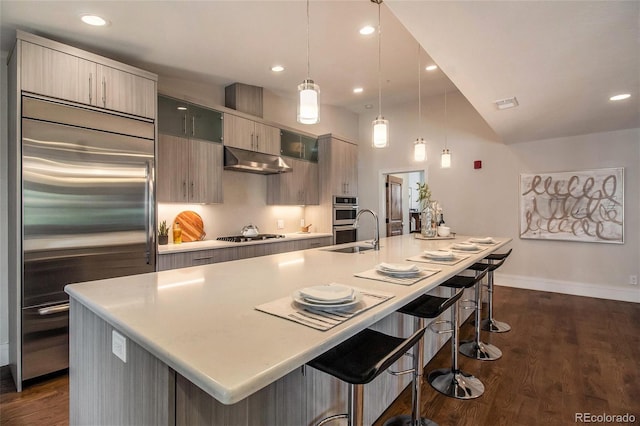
(376, 238)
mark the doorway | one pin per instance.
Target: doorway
(401, 216)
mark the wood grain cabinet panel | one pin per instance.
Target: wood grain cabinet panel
(299, 187)
(240, 132)
(52, 73)
(126, 92)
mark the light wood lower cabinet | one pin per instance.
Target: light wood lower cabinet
(243, 251)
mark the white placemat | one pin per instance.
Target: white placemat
(373, 274)
(456, 258)
(286, 308)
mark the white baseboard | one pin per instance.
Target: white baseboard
(600, 291)
(4, 354)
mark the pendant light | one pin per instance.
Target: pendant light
(380, 125)
(445, 159)
(419, 146)
(308, 93)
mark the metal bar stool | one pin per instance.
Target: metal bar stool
(358, 361)
(476, 348)
(490, 324)
(425, 306)
(452, 381)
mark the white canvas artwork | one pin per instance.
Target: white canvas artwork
(585, 206)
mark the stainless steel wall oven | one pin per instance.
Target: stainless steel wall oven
(345, 210)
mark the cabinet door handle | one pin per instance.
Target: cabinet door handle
(203, 258)
(184, 189)
(193, 126)
(104, 92)
(257, 142)
(90, 90)
(184, 124)
(191, 189)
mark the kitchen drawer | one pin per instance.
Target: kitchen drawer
(185, 259)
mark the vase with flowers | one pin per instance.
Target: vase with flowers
(428, 224)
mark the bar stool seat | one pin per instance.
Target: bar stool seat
(425, 306)
(358, 361)
(490, 324)
(452, 381)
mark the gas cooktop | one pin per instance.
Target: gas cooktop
(242, 239)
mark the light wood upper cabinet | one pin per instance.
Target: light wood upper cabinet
(342, 167)
(247, 134)
(189, 170)
(48, 72)
(299, 187)
(70, 76)
(126, 92)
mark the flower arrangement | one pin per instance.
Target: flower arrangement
(424, 195)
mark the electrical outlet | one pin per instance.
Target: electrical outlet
(301, 222)
(280, 224)
(633, 279)
(119, 345)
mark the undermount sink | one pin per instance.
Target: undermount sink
(352, 249)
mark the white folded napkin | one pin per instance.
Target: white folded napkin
(465, 246)
(327, 293)
(398, 267)
(439, 254)
(483, 240)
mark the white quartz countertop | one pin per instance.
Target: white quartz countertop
(215, 244)
(201, 320)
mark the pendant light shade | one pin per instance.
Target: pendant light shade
(380, 132)
(420, 150)
(445, 159)
(308, 102)
(308, 93)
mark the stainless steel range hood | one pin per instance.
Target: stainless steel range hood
(242, 160)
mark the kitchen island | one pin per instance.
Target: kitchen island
(197, 350)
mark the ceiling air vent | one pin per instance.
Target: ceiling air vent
(507, 103)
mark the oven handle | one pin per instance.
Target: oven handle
(55, 309)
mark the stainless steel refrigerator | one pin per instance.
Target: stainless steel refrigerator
(88, 213)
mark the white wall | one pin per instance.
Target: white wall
(4, 307)
(485, 201)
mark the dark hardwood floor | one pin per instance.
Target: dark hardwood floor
(564, 355)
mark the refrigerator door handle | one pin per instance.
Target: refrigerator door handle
(149, 211)
(55, 309)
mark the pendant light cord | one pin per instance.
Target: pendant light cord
(308, 61)
(419, 89)
(445, 118)
(379, 60)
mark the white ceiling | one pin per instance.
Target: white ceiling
(561, 59)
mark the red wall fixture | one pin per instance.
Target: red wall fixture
(477, 164)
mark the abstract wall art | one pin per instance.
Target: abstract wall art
(585, 206)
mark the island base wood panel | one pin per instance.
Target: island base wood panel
(103, 390)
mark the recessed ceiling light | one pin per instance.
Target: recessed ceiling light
(358, 90)
(367, 30)
(507, 103)
(431, 68)
(620, 97)
(277, 68)
(94, 20)
(368, 106)
(182, 108)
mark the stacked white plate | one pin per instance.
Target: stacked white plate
(465, 246)
(327, 297)
(439, 254)
(483, 240)
(400, 270)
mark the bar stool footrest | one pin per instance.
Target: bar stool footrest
(434, 324)
(332, 418)
(405, 420)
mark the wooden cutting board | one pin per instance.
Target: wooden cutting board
(192, 226)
